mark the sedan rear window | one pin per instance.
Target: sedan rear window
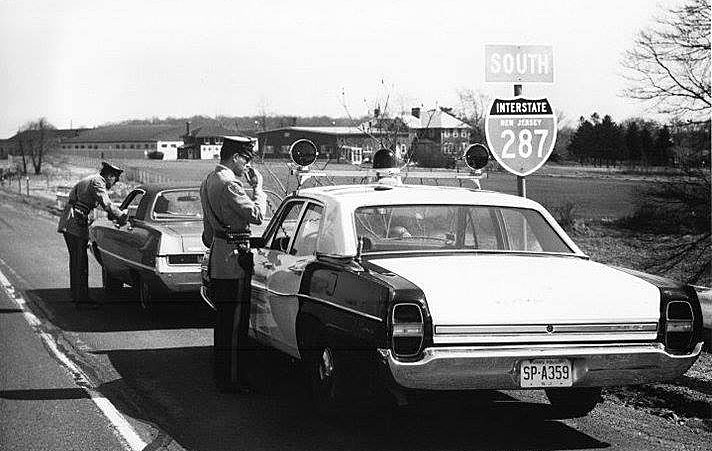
(456, 227)
(178, 204)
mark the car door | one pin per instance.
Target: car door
(276, 244)
(115, 243)
(284, 280)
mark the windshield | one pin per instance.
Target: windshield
(455, 227)
(178, 204)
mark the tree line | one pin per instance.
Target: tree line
(637, 142)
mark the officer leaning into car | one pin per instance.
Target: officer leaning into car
(228, 211)
(74, 222)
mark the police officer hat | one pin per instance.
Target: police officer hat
(107, 167)
(240, 145)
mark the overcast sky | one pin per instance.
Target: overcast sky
(86, 63)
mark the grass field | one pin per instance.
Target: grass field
(594, 195)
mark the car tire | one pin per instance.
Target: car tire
(111, 285)
(144, 292)
(326, 378)
(573, 402)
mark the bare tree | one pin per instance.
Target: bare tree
(471, 110)
(669, 64)
(34, 139)
(669, 67)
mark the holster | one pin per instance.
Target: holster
(245, 259)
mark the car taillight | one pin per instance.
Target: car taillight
(408, 330)
(679, 329)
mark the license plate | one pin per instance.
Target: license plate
(543, 373)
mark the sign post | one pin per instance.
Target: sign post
(520, 64)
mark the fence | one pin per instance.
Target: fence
(131, 173)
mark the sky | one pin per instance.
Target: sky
(88, 63)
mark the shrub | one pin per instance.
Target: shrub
(155, 155)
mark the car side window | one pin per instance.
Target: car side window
(308, 232)
(286, 226)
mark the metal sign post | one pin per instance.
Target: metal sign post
(521, 180)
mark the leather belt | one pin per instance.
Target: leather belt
(233, 237)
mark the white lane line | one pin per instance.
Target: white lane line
(121, 427)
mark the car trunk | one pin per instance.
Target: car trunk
(507, 297)
(190, 234)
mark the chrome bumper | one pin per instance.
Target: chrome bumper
(497, 368)
(178, 277)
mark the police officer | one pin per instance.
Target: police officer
(84, 197)
(228, 211)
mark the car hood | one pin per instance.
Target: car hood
(487, 289)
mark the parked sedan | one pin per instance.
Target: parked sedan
(403, 288)
(160, 247)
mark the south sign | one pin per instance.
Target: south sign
(521, 133)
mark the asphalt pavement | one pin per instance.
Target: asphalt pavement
(155, 370)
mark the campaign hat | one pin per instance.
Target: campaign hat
(106, 166)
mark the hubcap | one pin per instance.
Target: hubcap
(326, 365)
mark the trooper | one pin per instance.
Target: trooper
(78, 214)
(228, 211)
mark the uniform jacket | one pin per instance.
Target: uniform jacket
(226, 204)
(89, 193)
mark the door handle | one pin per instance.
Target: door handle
(296, 269)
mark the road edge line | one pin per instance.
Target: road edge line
(122, 428)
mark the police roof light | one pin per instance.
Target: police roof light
(303, 152)
(384, 159)
(476, 156)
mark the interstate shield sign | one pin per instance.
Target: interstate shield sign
(521, 133)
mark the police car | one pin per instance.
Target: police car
(393, 288)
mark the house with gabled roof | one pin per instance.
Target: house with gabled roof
(439, 129)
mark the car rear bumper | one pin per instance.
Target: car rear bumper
(486, 367)
(179, 278)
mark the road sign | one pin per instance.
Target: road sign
(521, 133)
(519, 63)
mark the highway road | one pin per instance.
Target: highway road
(120, 378)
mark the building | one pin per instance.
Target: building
(439, 130)
(204, 142)
(352, 144)
(52, 136)
(126, 141)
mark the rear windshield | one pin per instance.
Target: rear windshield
(458, 227)
(178, 204)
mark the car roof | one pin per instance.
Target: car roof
(340, 201)
(154, 188)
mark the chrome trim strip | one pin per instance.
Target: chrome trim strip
(548, 328)
(375, 254)
(541, 338)
(140, 265)
(366, 315)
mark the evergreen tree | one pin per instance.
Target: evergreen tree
(663, 145)
(610, 140)
(646, 146)
(632, 142)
